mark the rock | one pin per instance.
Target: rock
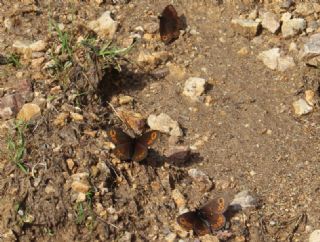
(29, 111)
(61, 119)
(151, 28)
(245, 27)
(49, 189)
(179, 199)
(199, 176)
(160, 72)
(270, 22)
(104, 26)
(253, 14)
(135, 120)
(164, 124)
(80, 182)
(315, 236)
(194, 87)
(243, 200)
(312, 47)
(125, 100)
(26, 47)
(81, 197)
(304, 9)
(171, 237)
(243, 51)
(36, 63)
(310, 97)
(293, 27)
(10, 104)
(286, 16)
(301, 107)
(209, 238)
(76, 116)
(80, 187)
(285, 63)
(286, 4)
(70, 164)
(152, 59)
(272, 59)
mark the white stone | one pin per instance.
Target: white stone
(164, 123)
(293, 27)
(270, 58)
(246, 27)
(194, 87)
(270, 22)
(315, 236)
(285, 63)
(301, 107)
(243, 200)
(286, 16)
(312, 47)
(104, 26)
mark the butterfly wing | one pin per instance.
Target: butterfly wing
(123, 143)
(169, 24)
(212, 212)
(192, 221)
(142, 143)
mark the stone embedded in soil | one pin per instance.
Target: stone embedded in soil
(310, 97)
(270, 21)
(104, 26)
(311, 49)
(61, 119)
(135, 120)
(26, 47)
(29, 111)
(76, 116)
(179, 199)
(171, 237)
(199, 176)
(152, 59)
(293, 27)
(315, 236)
(301, 107)
(243, 200)
(209, 238)
(125, 100)
(246, 27)
(78, 186)
(304, 9)
(194, 87)
(272, 59)
(286, 16)
(285, 62)
(164, 123)
(70, 164)
(10, 104)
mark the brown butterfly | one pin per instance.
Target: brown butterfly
(128, 148)
(206, 219)
(169, 24)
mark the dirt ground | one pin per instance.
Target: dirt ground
(248, 138)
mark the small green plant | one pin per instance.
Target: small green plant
(107, 52)
(80, 214)
(63, 37)
(14, 60)
(16, 145)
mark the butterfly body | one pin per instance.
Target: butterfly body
(128, 148)
(206, 219)
(169, 24)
